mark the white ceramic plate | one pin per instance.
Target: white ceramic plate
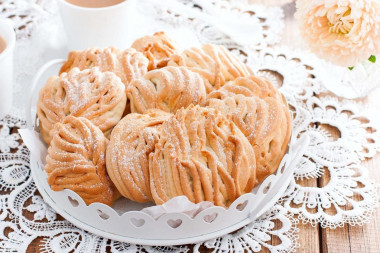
(125, 222)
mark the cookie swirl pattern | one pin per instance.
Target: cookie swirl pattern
(97, 96)
(158, 48)
(76, 161)
(132, 141)
(168, 89)
(214, 63)
(262, 114)
(203, 156)
(129, 64)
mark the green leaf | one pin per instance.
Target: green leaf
(350, 68)
(372, 59)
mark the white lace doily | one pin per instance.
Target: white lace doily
(338, 159)
(24, 215)
(268, 19)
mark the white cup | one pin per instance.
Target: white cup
(6, 66)
(97, 27)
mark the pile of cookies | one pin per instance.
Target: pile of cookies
(153, 122)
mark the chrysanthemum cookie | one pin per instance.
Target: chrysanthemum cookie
(168, 89)
(202, 155)
(132, 140)
(248, 86)
(128, 64)
(76, 161)
(157, 48)
(97, 96)
(214, 63)
(262, 114)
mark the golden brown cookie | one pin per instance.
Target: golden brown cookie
(76, 161)
(128, 64)
(97, 96)
(202, 155)
(248, 86)
(262, 114)
(214, 63)
(157, 48)
(132, 140)
(168, 89)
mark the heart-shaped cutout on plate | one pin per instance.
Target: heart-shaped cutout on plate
(174, 223)
(241, 206)
(137, 222)
(103, 215)
(73, 202)
(267, 188)
(210, 217)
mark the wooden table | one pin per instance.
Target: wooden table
(354, 239)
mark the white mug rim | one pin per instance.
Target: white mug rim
(91, 9)
(12, 40)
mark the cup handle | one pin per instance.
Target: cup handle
(36, 80)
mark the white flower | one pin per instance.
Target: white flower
(41, 209)
(341, 31)
(7, 140)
